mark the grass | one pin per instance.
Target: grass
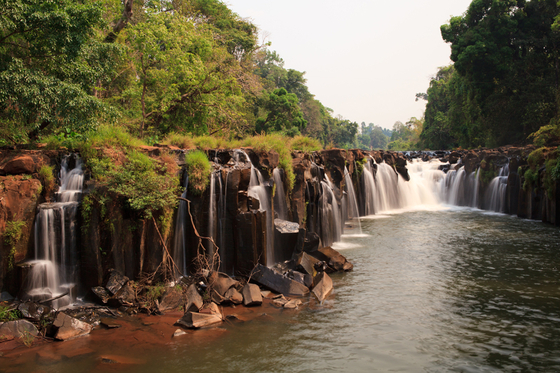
(198, 169)
(279, 144)
(305, 144)
(7, 314)
(46, 175)
(180, 141)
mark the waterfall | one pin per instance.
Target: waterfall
(280, 205)
(179, 243)
(352, 203)
(369, 186)
(54, 269)
(211, 221)
(496, 193)
(331, 218)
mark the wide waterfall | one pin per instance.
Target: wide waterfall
(53, 274)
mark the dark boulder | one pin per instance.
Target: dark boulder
(277, 282)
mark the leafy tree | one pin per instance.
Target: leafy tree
(284, 114)
(51, 62)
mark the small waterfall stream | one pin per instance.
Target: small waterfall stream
(179, 242)
(352, 206)
(53, 271)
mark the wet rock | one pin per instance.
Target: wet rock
(69, 327)
(195, 320)
(293, 304)
(173, 299)
(17, 329)
(179, 333)
(33, 311)
(222, 282)
(306, 264)
(286, 235)
(194, 300)
(324, 286)
(101, 293)
(334, 259)
(109, 323)
(5, 296)
(277, 282)
(234, 296)
(252, 295)
(116, 281)
(305, 279)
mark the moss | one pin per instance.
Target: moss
(198, 169)
(12, 235)
(46, 175)
(360, 166)
(531, 177)
(536, 158)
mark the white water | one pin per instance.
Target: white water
(179, 243)
(54, 270)
(280, 205)
(352, 205)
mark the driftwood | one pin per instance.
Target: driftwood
(54, 298)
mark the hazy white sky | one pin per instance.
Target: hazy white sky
(365, 59)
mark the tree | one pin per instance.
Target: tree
(51, 62)
(284, 114)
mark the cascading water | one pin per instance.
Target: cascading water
(352, 205)
(53, 272)
(496, 193)
(369, 185)
(179, 243)
(331, 218)
(280, 206)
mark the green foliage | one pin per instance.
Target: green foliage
(545, 135)
(146, 185)
(199, 169)
(531, 178)
(46, 175)
(12, 235)
(536, 158)
(7, 314)
(283, 114)
(155, 292)
(504, 81)
(179, 140)
(50, 61)
(206, 142)
(360, 163)
(277, 143)
(305, 144)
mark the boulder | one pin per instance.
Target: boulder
(277, 282)
(334, 259)
(22, 164)
(217, 298)
(195, 320)
(252, 295)
(194, 300)
(173, 299)
(101, 293)
(116, 281)
(69, 327)
(222, 282)
(305, 279)
(234, 296)
(306, 264)
(33, 311)
(324, 286)
(286, 234)
(17, 329)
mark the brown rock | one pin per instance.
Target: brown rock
(195, 320)
(252, 295)
(222, 282)
(234, 296)
(173, 299)
(22, 164)
(194, 300)
(324, 286)
(17, 329)
(69, 327)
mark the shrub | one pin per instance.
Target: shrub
(7, 314)
(47, 179)
(206, 142)
(12, 235)
(536, 158)
(198, 169)
(531, 177)
(146, 185)
(305, 144)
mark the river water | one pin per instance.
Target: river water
(443, 290)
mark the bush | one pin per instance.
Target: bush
(531, 177)
(198, 169)
(7, 314)
(305, 144)
(46, 175)
(12, 235)
(146, 185)
(536, 158)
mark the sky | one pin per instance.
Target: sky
(365, 59)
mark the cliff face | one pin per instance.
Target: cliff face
(232, 208)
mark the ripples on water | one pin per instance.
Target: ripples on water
(455, 290)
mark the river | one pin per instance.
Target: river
(448, 289)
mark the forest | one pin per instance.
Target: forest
(158, 68)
